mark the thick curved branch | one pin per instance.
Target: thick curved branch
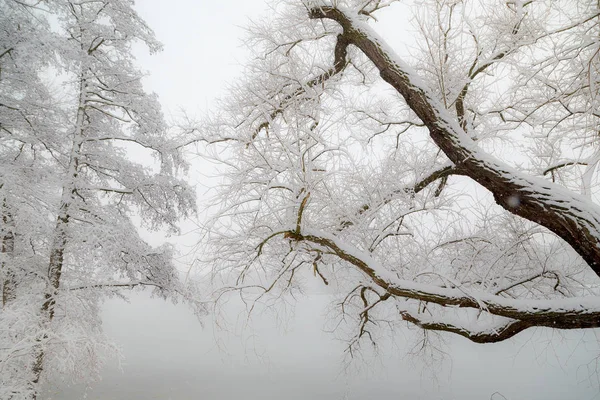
(571, 216)
(497, 334)
(568, 313)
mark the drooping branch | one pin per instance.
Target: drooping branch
(493, 335)
(564, 314)
(571, 216)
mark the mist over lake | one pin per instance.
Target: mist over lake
(169, 356)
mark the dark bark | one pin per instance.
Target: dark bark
(9, 284)
(499, 334)
(60, 240)
(572, 217)
(54, 274)
(522, 316)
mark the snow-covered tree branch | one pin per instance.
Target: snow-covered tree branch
(458, 194)
(571, 216)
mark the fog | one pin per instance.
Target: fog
(169, 355)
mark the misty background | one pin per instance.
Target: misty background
(168, 354)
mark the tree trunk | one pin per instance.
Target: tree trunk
(9, 283)
(60, 241)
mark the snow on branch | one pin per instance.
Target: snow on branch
(571, 216)
(326, 171)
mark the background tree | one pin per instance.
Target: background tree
(73, 114)
(448, 198)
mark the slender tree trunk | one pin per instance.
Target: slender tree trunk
(9, 283)
(54, 274)
(60, 240)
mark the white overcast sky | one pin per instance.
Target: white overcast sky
(203, 49)
(168, 354)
